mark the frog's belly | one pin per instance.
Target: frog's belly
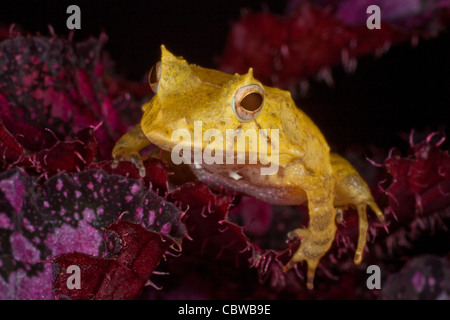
(248, 180)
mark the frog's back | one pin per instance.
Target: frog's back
(211, 76)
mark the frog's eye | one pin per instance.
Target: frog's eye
(248, 102)
(153, 77)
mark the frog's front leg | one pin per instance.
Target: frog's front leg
(319, 236)
(128, 147)
(352, 190)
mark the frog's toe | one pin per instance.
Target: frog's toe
(288, 266)
(376, 209)
(114, 164)
(133, 157)
(139, 164)
(307, 252)
(312, 266)
(339, 215)
(363, 227)
(298, 233)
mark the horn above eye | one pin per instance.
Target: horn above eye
(248, 102)
(154, 76)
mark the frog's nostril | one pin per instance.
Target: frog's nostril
(248, 102)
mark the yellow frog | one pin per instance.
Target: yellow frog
(187, 95)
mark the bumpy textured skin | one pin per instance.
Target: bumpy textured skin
(307, 170)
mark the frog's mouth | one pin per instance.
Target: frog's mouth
(245, 179)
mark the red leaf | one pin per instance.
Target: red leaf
(284, 50)
(156, 172)
(122, 276)
(10, 149)
(421, 181)
(68, 156)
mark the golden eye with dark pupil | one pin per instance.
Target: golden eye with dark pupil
(154, 77)
(248, 102)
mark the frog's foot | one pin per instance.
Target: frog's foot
(124, 154)
(364, 225)
(128, 147)
(311, 250)
(303, 255)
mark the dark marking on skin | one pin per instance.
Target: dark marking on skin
(309, 171)
(262, 132)
(320, 222)
(280, 172)
(311, 255)
(323, 242)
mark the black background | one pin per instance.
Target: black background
(377, 105)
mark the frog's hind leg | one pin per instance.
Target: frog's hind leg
(352, 190)
(317, 239)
